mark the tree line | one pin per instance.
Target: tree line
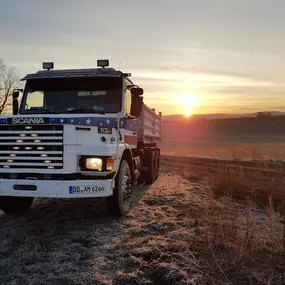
(9, 80)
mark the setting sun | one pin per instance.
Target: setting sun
(187, 113)
(186, 103)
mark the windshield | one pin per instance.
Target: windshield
(74, 95)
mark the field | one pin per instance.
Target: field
(204, 221)
(239, 139)
(237, 151)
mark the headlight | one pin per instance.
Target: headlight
(94, 163)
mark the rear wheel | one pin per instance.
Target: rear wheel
(157, 163)
(151, 164)
(120, 202)
(15, 205)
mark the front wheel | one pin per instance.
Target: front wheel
(120, 202)
(15, 205)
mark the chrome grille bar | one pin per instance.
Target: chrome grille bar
(31, 146)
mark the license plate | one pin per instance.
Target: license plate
(85, 189)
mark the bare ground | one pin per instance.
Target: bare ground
(183, 229)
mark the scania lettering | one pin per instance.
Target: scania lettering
(78, 133)
(28, 121)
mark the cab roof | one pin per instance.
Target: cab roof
(89, 72)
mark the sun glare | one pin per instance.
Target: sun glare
(187, 113)
(186, 103)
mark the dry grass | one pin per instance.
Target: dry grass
(245, 248)
(182, 231)
(254, 242)
(250, 186)
(185, 236)
(253, 151)
(57, 242)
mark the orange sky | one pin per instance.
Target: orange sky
(187, 55)
(203, 93)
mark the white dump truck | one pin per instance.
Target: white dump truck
(77, 133)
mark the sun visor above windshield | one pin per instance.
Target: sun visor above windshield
(94, 72)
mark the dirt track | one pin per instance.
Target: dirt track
(162, 240)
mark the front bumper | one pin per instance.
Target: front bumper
(57, 189)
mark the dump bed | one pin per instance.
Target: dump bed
(149, 126)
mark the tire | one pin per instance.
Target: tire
(120, 202)
(15, 205)
(151, 164)
(157, 164)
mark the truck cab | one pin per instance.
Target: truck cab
(77, 133)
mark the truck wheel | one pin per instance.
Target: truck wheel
(157, 163)
(15, 205)
(119, 203)
(151, 172)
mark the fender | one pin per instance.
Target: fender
(127, 155)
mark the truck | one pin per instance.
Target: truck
(77, 133)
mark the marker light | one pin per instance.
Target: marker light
(110, 163)
(48, 65)
(102, 62)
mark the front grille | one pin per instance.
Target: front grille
(31, 146)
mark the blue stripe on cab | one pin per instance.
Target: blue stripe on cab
(105, 122)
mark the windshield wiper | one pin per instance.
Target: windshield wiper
(38, 111)
(49, 111)
(82, 110)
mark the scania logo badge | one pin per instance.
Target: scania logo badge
(26, 120)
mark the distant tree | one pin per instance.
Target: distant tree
(9, 80)
(263, 114)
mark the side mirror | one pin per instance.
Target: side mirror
(137, 91)
(136, 108)
(15, 96)
(15, 106)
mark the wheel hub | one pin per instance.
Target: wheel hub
(126, 188)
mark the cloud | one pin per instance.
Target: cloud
(202, 79)
(230, 54)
